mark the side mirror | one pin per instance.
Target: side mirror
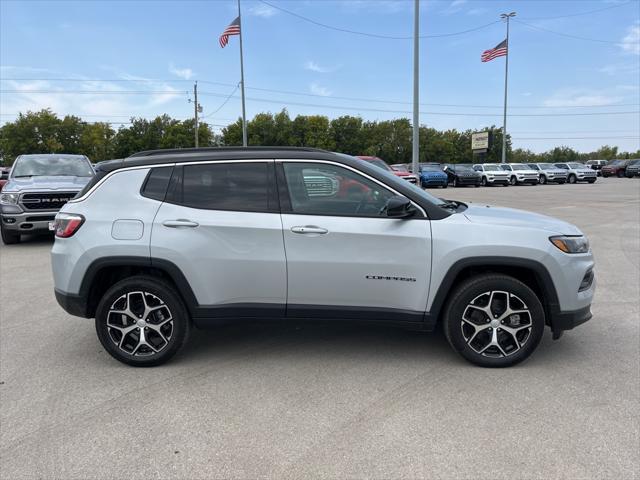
(399, 207)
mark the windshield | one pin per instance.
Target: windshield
(492, 168)
(505, 167)
(430, 168)
(547, 166)
(616, 162)
(463, 168)
(521, 166)
(576, 165)
(52, 165)
(400, 168)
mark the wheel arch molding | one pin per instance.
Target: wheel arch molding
(531, 272)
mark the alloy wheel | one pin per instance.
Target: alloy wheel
(140, 323)
(496, 324)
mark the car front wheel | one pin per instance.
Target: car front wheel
(513, 181)
(141, 321)
(494, 320)
(543, 180)
(572, 179)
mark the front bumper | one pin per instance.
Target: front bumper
(434, 182)
(27, 222)
(531, 181)
(498, 180)
(469, 180)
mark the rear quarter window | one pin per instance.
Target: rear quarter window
(157, 182)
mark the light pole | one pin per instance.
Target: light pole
(506, 17)
(415, 157)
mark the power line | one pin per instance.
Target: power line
(223, 103)
(373, 35)
(103, 92)
(589, 12)
(335, 97)
(463, 114)
(562, 34)
(576, 138)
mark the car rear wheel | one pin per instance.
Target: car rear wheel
(142, 321)
(494, 320)
(572, 179)
(9, 237)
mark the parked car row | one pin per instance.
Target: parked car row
(486, 174)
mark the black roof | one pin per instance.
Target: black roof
(182, 155)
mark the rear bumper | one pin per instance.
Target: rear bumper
(72, 304)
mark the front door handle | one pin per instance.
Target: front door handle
(181, 222)
(309, 229)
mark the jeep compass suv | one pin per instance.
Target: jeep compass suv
(166, 240)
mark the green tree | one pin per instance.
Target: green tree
(96, 141)
(347, 134)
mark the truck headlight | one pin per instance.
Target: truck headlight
(571, 244)
(9, 198)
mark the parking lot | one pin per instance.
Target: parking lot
(299, 401)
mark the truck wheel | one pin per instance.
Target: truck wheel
(572, 179)
(494, 320)
(8, 237)
(142, 321)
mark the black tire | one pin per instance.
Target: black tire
(455, 182)
(620, 174)
(543, 180)
(476, 287)
(483, 182)
(445, 185)
(513, 181)
(572, 179)
(8, 237)
(155, 288)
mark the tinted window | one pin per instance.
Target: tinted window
(157, 182)
(224, 186)
(320, 189)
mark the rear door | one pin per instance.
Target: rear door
(220, 226)
(345, 258)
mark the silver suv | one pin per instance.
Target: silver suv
(164, 240)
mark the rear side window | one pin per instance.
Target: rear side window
(155, 186)
(245, 187)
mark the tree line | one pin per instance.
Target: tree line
(391, 140)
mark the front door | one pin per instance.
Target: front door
(345, 258)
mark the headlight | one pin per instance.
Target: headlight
(578, 244)
(9, 198)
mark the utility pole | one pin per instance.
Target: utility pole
(244, 115)
(506, 16)
(196, 107)
(416, 91)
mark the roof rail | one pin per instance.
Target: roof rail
(150, 153)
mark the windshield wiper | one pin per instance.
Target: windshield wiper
(22, 176)
(449, 204)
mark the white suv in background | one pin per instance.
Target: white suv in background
(549, 173)
(578, 172)
(166, 240)
(492, 174)
(521, 174)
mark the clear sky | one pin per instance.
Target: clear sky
(148, 53)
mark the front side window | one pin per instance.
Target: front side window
(324, 189)
(224, 186)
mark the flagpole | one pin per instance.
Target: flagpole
(506, 16)
(416, 91)
(244, 117)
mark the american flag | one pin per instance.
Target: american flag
(232, 29)
(499, 50)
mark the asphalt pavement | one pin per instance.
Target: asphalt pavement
(340, 401)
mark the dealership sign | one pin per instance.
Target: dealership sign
(480, 141)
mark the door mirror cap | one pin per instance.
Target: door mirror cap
(399, 207)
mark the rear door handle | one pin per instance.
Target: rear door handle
(309, 229)
(179, 223)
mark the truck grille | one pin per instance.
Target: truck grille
(320, 186)
(45, 201)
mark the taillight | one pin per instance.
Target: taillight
(66, 224)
